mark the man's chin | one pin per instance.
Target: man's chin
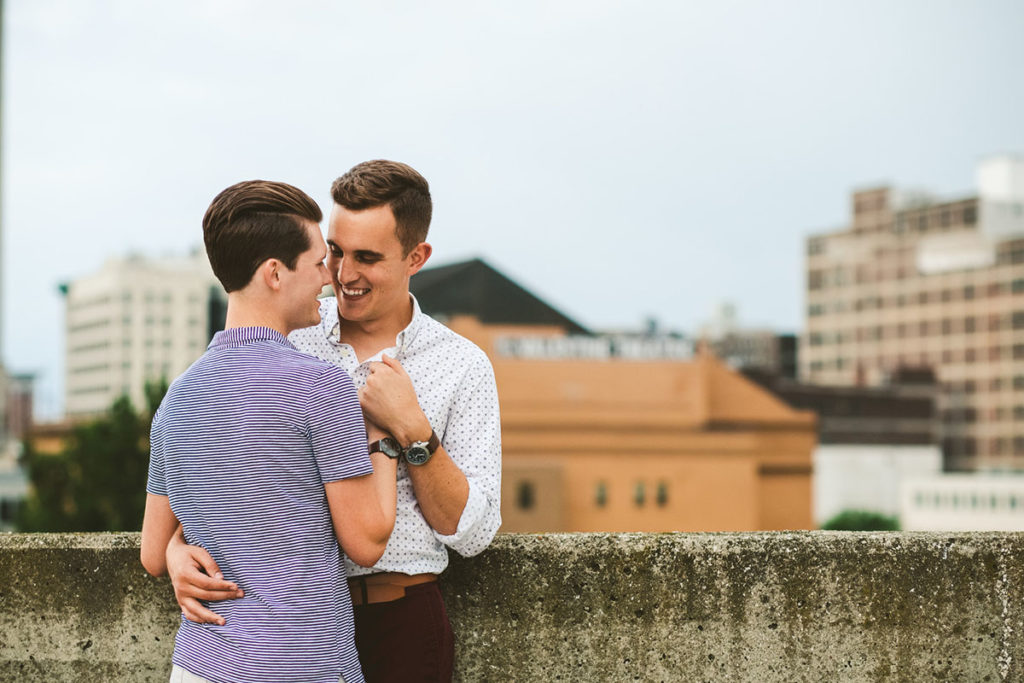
(351, 311)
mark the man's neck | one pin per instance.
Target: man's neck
(242, 314)
(367, 338)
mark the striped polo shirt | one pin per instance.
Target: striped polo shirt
(242, 445)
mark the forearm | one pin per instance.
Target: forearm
(158, 525)
(441, 490)
(385, 481)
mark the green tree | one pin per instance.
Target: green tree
(98, 482)
(862, 520)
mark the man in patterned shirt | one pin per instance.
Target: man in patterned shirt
(431, 390)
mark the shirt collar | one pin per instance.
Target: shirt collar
(237, 336)
(331, 326)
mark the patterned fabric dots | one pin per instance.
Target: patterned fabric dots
(455, 386)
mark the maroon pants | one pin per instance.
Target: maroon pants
(406, 640)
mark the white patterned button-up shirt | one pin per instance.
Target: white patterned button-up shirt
(454, 383)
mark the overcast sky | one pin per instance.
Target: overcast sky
(620, 159)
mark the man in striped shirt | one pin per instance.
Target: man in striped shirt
(431, 390)
(259, 452)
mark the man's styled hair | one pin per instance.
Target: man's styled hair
(392, 183)
(253, 221)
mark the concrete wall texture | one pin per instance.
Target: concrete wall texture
(807, 606)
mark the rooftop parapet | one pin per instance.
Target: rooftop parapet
(594, 607)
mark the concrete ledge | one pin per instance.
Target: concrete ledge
(805, 606)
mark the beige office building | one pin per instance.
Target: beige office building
(136, 320)
(917, 282)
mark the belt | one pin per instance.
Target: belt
(384, 586)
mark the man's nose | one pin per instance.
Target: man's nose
(346, 270)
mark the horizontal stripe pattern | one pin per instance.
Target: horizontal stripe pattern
(242, 446)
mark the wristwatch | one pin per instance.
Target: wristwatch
(419, 452)
(388, 447)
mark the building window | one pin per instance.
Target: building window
(1017, 287)
(1018, 320)
(601, 494)
(525, 496)
(969, 324)
(662, 494)
(639, 494)
(1018, 383)
(969, 292)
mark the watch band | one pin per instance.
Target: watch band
(387, 446)
(419, 452)
(433, 442)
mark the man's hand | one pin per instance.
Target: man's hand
(185, 565)
(389, 400)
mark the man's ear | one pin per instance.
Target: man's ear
(270, 272)
(418, 257)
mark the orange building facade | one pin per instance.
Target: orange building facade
(610, 444)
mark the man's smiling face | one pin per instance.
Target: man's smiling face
(369, 271)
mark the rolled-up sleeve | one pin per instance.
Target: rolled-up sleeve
(472, 439)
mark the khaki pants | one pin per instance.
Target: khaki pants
(179, 675)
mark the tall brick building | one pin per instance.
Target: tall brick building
(919, 282)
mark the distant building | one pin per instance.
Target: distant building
(917, 282)
(476, 289)
(134, 321)
(624, 432)
(745, 348)
(17, 419)
(963, 502)
(870, 441)
(19, 393)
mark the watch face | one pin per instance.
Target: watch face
(416, 455)
(390, 448)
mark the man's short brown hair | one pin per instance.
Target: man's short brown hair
(253, 221)
(392, 183)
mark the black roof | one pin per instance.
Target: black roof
(895, 414)
(475, 288)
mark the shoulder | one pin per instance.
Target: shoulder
(440, 341)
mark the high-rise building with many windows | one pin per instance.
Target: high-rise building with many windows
(917, 282)
(136, 321)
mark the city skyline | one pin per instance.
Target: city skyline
(621, 162)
